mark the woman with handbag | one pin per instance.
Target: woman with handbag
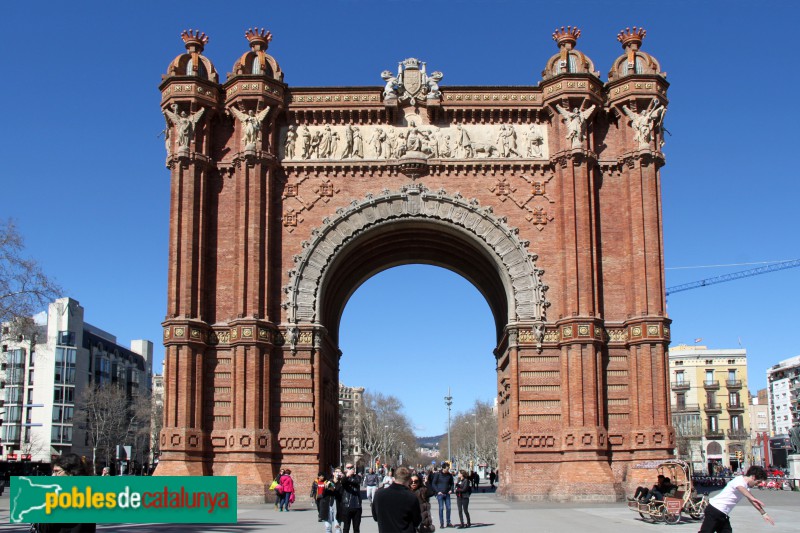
(286, 487)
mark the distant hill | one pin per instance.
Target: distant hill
(429, 442)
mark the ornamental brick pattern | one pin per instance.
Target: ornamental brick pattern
(547, 197)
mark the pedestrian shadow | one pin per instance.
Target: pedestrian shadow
(479, 524)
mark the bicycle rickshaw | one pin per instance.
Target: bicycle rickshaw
(683, 499)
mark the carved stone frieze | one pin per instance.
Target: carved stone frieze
(335, 142)
(415, 202)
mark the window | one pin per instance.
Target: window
(709, 376)
(681, 401)
(66, 338)
(733, 398)
(713, 424)
(57, 413)
(736, 423)
(13, 414)
(679, 376)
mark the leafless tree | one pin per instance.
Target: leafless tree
(111, 419)
(473, 436)
(386, 432)
(24, 287)
(33, 444)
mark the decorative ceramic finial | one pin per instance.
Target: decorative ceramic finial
(567, 36)
(195, 40)
(632, 38)
(259, 39)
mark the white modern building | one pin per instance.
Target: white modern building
(783, 384)
(44, 371)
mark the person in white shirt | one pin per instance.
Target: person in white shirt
(717, 519)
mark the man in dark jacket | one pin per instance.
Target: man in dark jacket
(351, 499)
(442, 486)
(371, 480)
(396, 508)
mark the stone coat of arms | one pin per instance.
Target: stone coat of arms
(411, 83)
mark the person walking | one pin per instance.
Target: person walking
(492, 478)
(317, 491)
(286, 484)
(371, 480)
(351, 499)
(463, 489)
(396, 508)
(423, 494)
(442, 484)
(717, 518)
(330, 504)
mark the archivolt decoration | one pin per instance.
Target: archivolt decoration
(415, 202)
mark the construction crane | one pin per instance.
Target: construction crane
(783, 265)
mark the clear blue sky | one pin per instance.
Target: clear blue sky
(83, 170)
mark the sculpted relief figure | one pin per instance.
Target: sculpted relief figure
(358, 143)
(444, 146)
(185, 124)
(289, 144)
(325, 143)
(305, 138)
(535, 141)
(251, 124)
(348, 142)
(507, 141)
(464, 143)
(576, 121)
(376, 141)
(643, 123)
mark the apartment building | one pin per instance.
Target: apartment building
(710, 412)
(43, 372)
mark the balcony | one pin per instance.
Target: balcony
(711, 384)
(680, 385)
(733, 383)
(713, 407)
(738, 434)
(736, 408)
(714, 434)
(686, 408)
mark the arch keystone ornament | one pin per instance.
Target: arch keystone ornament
(284, 200)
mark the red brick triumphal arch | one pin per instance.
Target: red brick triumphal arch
(546, 197)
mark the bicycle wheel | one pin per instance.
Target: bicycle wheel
(672, 518)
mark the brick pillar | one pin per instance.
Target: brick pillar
(651, 436)
(185, 333)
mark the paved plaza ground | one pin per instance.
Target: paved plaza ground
(489, 513)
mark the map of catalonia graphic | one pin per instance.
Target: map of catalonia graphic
(33, 492)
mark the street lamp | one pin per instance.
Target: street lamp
(448, 401)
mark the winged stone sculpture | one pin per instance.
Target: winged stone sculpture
(576, 123)
(185, 124)
(643, 123)
(251, 124)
